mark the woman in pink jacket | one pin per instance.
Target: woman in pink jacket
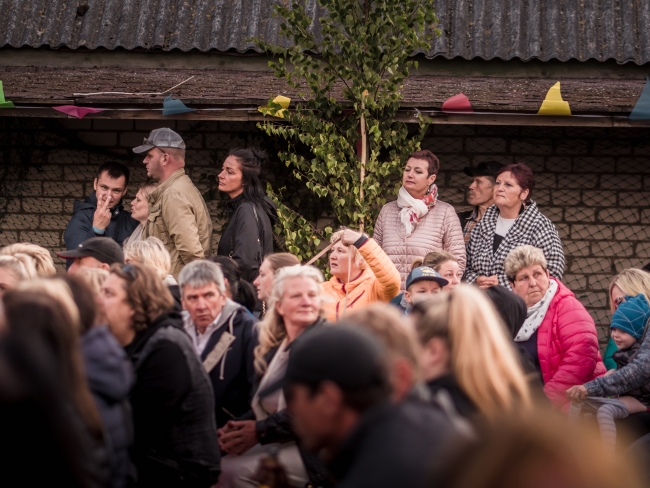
(417, 223)
(559, 333)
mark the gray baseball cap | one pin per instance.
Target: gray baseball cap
(160, 138)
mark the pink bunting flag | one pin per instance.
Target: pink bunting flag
(79, 112)
(457, 103)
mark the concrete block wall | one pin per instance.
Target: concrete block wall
(593, 183)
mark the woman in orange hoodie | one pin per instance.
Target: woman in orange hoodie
(370, 277)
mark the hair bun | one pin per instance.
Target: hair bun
(260, 156)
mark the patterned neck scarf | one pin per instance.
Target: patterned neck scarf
(414, 209)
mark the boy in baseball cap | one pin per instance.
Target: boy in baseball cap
(421, 283)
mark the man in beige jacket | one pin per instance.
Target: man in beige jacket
(178, 215)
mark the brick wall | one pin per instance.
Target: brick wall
(593, 183)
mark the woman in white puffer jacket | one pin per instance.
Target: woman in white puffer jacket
(417, 223)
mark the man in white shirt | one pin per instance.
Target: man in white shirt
(224, 337)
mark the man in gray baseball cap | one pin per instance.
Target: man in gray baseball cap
(178, 215)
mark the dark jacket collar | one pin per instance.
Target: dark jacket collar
(344, 459)
(167, 319)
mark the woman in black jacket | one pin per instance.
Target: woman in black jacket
(248, 236)
(175, 442)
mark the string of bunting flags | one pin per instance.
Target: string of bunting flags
(553, 104)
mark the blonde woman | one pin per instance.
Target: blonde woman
(467, 352)
(140, 212)
(368, 276)
(153, 254)
(14, 270)
(41, 258)
(294, 306)
(628, 283)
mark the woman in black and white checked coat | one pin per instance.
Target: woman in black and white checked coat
(513, 220)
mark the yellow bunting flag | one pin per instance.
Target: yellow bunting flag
(553, 103)
(272, 108)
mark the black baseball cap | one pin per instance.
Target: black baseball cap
(103, 249)
(164, 137)
(425, 273)
(486, 168)
(346, 355)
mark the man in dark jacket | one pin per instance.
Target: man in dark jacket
(480, 194)
(224, 336)
(102, 213)
(341, 407)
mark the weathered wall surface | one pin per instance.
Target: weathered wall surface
(593, 183)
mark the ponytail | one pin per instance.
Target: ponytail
(483, 359)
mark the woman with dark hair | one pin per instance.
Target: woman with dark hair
(238, 290)
(514, 220)
(417, 223)
(49, 326)
(38, 420)
(248, 236)
(175, 440)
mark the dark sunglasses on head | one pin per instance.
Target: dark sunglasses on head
(130, 270)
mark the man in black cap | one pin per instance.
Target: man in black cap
(96, 252)
(178, 215)
(102, 213)
(481, 194)
(338, 391)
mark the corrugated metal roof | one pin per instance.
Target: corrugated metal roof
(487, 29)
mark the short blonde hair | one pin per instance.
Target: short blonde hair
(386, 323)
(356, 255)
(17, 267)
(521, 257)
(94, 277)
(42, 260)
(151, 253)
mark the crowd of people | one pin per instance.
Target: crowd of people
(444, 350)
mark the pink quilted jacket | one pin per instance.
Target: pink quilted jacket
(567, 345)
(439, 229)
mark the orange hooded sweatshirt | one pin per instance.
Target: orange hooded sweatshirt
(379, 282)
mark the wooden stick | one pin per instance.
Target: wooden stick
(320, 254)
(347, 288)
(364, 144)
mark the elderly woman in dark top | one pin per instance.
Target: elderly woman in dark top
(514, 220)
